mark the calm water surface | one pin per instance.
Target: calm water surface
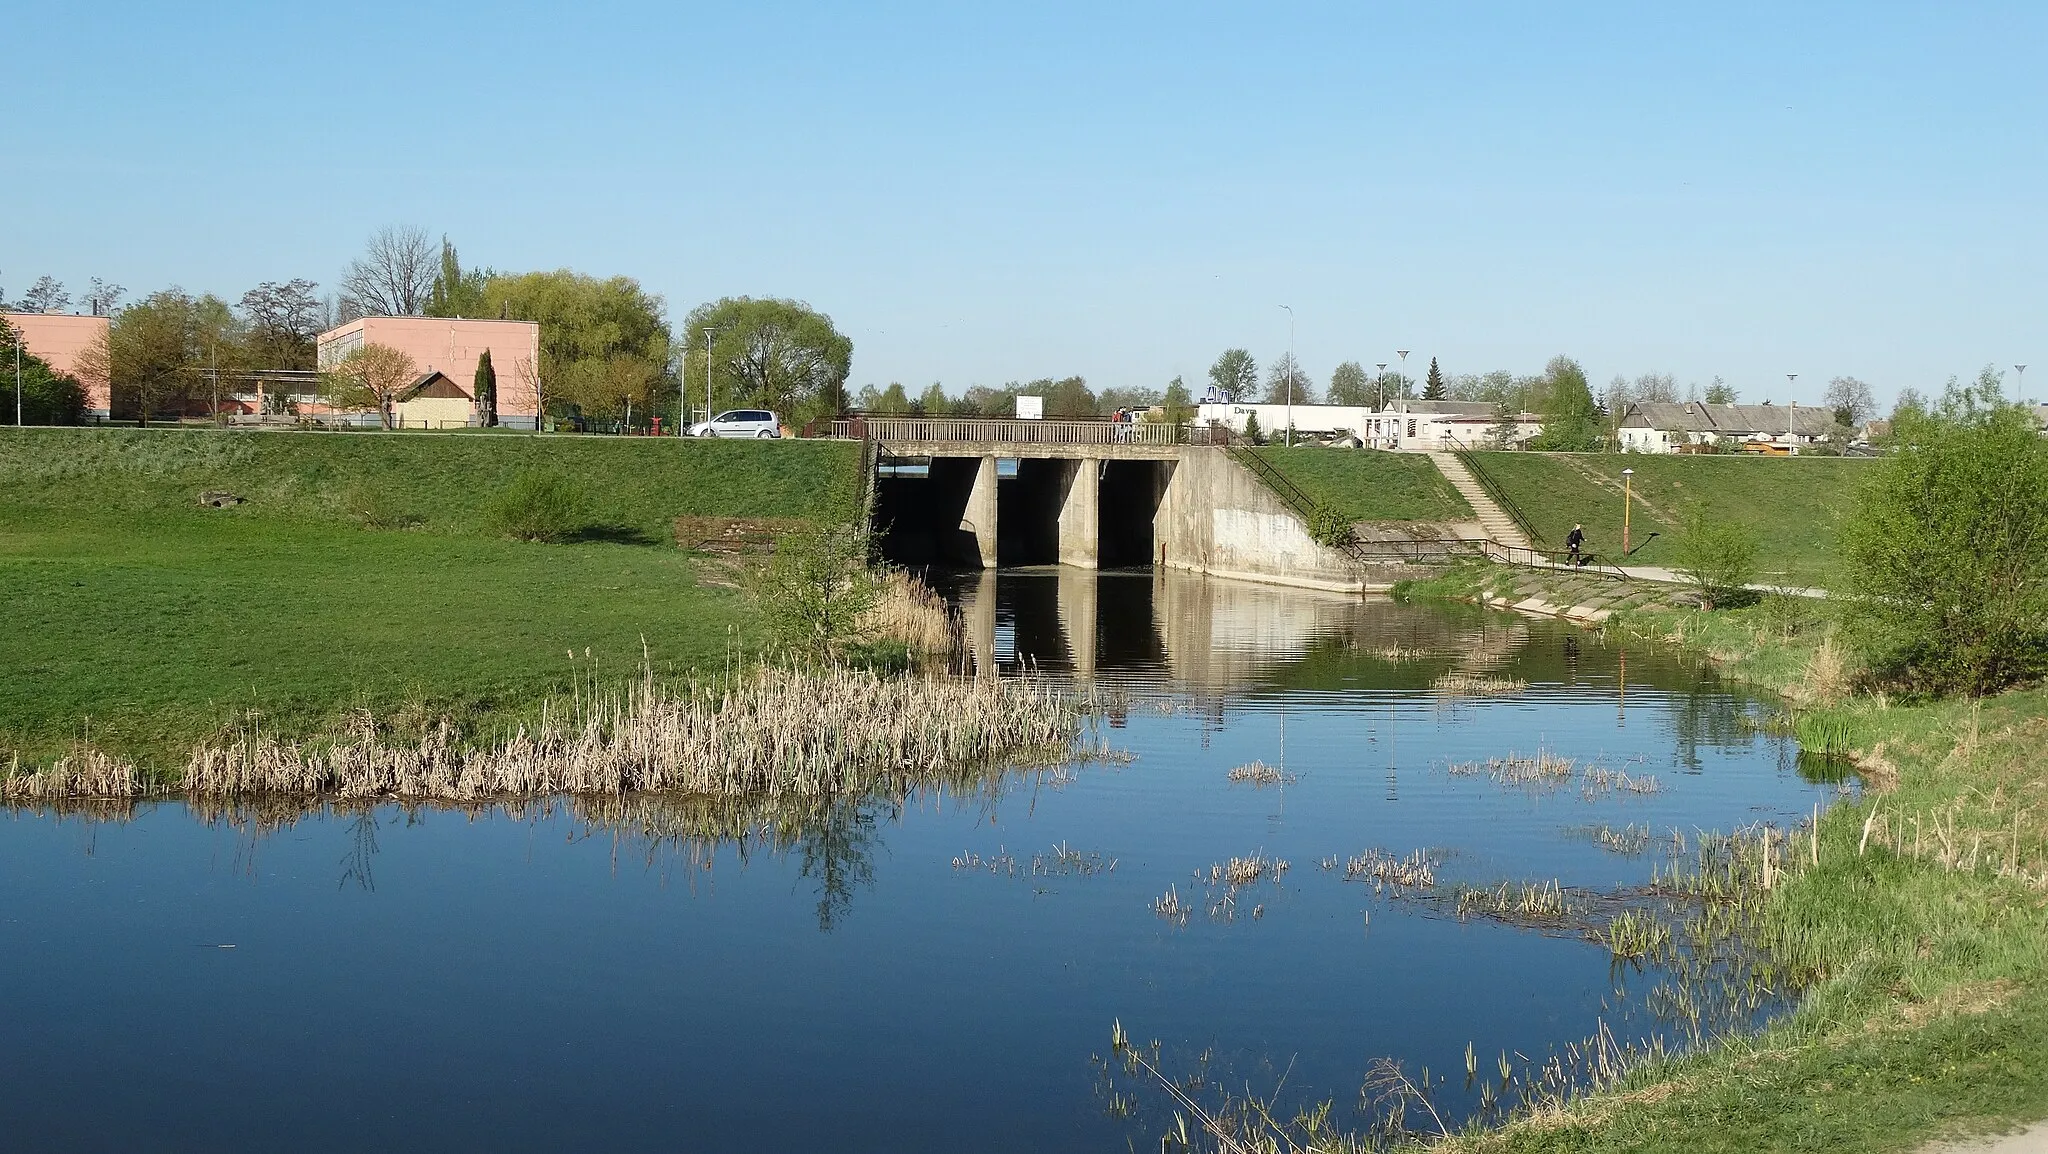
(850, 979)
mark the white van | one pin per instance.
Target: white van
(739, 423)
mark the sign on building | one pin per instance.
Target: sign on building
(1030, 408)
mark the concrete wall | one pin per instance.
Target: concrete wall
(60, 339)
(1218, 519)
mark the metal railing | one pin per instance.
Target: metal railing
(1550, 559)
(1494, 490)
(986, 431)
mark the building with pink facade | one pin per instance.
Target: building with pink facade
(60, 339)
(451, 347)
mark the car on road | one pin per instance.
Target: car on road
(740, 423)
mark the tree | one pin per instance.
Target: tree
(1571, 422)
(1285, 381)
(813, 590)
(1717, 557)
(892, 400)
(779, 354)
(933, 402)
(1235, 374)
(456, 293)
(1722, 393)
(102, 297)
(1434, 390)
(157, 351)
(603, 343)
(1136, 397)
(1506, 428)
(1350, 386)
(1389, 387)
(1068, 397)
(47, 396)
(1851, 402)
(1179, 406)
(392, 277)
(981, 400)
(1947, 554)
(47, 295)
(284, 322)
(1252, 432)
(372, 376)
(485, 391)
(1909, 400)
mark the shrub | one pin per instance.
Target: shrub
(816, 589)
(1947, 555)
(1251, 429)
(1718, 557)
(539, 506)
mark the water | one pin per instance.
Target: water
(551, 978)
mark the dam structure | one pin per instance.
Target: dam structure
(978, 493)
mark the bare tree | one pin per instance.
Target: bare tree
(372, 377)
(1851, 401)
(284, 319)
(47, 295)
(102, 297)
(394, 275)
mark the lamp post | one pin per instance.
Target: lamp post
(2021, 390)
(17, 378)
(1290, 375)
(683, 417)
(1627, 498)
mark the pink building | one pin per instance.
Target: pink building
(452, 347)
(60, 338)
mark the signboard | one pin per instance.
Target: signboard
(1030, 408)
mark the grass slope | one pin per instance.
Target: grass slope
(1365, 485)
(1794, 505)
(144, 622)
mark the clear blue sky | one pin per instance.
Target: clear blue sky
(979, 194)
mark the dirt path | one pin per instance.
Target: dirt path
(2032, 1140)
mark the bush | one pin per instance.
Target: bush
(815, 590)
(1947, 556)
(539, 506)
(1718, 557)
(1251, 429)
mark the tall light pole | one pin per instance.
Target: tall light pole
(1380, 388)
(1791, 412)
(17, 378)
(683, 418)
(1291, 367)
(1628, 477)
(2021, 387)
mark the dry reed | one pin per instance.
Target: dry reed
(1259, 773)
(909, 611)
(1476, 685)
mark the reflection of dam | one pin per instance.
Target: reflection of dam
(1160, 625)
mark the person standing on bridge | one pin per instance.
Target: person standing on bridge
(1575, 544)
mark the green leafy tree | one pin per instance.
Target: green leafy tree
(485, 391)
(814, 589)
(934, 402)
(1571, 421)
(1434, 389)
(1235, 374)
(984, 401)
(456, 292)
(158, 353)
(1067, 398)
(1137, 397)
(1252, 432)
(779, 354)
(1390, 387)
(1506, 429)
(1179, 405)
(1721, 393)
(48, 397)
(603, 342)
(1350, 386)
(892, 400)
(1947, 554)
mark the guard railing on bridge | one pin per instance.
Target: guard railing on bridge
(983, 431)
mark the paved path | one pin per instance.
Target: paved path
(2032, 1140)
(1494, 520)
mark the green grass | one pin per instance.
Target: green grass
(1365, 485)
(143, 622)
(1931, 1008)
(1793, 504)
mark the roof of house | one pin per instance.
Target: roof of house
(433, 384)
(1729, 420)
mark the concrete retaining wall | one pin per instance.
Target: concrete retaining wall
(1219, 519)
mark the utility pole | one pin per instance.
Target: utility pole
(1291, 368)
(1791, 412)
(17, 379)
(1628, 477)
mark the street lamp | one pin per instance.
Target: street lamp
(1791, 413)
(2021, 389)
(1290, 375)
(17, 378)
(683, 414)
(1627, 496)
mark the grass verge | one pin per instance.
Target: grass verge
(1364, 485)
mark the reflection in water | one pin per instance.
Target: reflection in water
(841, 991)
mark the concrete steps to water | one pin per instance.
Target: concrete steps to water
(1492, 518)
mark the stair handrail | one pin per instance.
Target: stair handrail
(1468, 457)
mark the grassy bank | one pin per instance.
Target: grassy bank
(1364, 485)
(1924, 920)
(362, 572)
(1792, 504)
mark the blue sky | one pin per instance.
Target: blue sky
(981, 193)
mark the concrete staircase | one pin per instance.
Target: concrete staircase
(1492, 518)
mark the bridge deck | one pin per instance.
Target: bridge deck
(968, 436)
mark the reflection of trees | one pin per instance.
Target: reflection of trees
(838, 849)
(1707, 714)
(362, 848)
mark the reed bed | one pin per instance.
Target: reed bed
(909, 611)
(1259, 773)
(1545, 768)
(1634, 934)
(1416, 871)
(769, 732)
(1598, 780)
(1239, 872)
(1172, 907)
(1476, 685)
(85, 773)
(1519, 902)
